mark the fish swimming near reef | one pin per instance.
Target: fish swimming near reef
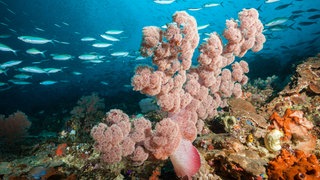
(313, 10)
(317, 16)
(212, 5)
(10, 63)
(76, 73)
(90, 56)
(4, 47)
(306, 23)
(19, 82)
(34, 51)
(52, 70)
(85, 39)
(3, 71)
(280, 27)
(48, 82)
(271, 1)
(163, 1)
(194, 9)
(104, 83)
(3, 84)
(277, 21)
(297, 12)
(96, 61)
(101, 45)
(61, 57)
(33, 69)
(203, 27)
(120, 53)
(283, 6)
(114, 32)
(34, 40)
(109, 38)
(22, 76)
(39, 29)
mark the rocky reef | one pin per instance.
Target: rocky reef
(274, 136)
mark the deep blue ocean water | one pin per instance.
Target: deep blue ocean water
(66, 22)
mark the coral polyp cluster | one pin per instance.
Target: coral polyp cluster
(294, 165)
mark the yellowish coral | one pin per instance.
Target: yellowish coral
(229, 122)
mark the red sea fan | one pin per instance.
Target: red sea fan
(14, 127)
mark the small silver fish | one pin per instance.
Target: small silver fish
(101, 45)
(34, 40)
(52, 70)
(33, 69)
(62, 57)
(163, 1)
(114, 32)
(48, 82)
(271, 1)
(120, 53)
(109, 38)
(34, 51)
(203, 26)
(10, 63)
(88, 56)
(4, 47)
(19, 82)
(22, 76)
(212, 5)
(277, 21)
(88, 39)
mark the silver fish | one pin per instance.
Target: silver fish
(277, 21)
(101, 45)
(48, 82)
(109, 38)
(22, 76)
(163, 1)
(34, 40)
(4, 47)
(62, 57)
(35, 51)
(10, 63)
(19, 82)
(114, 31)
(33, 69)
(88, 39)
(120, 53)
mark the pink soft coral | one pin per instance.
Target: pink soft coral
(190, 94)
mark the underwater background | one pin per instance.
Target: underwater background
(69, 21)
(53, 53)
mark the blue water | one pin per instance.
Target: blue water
(69, 21)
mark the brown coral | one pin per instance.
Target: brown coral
(294, 165)
(301, 92)
(14, 127)
(307, 77)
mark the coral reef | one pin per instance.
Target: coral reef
(296, 129)
(115, 139)
(235, 150)
(294, 165)
(14, 127)
(306, 78)
(302, 91)
(232, 133)
(89, 111)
